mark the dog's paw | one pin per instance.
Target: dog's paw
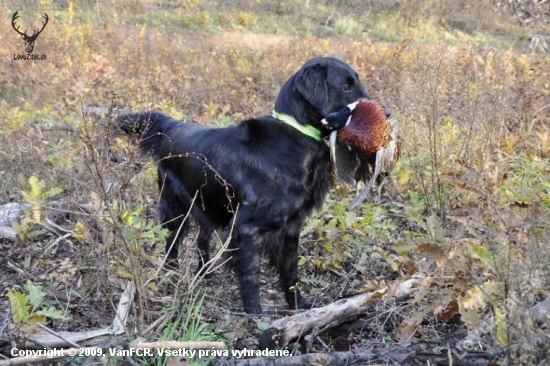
(253, 310)
(304, 305)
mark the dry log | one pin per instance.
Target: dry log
(13, 211)
(7, 232)
(57, 127)
(284, 330)
(9, 213)
(541, 311)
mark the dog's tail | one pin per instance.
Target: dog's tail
(150, 128)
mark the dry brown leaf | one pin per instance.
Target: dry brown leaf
(432, 252)
(446, 313)
(470, 317)
(422, 290)
(474, 298)
(465, 186)
(372, 286)
(521, 204)
(408, 327)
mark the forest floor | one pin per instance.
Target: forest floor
(467, 215)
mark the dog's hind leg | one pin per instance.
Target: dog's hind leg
(173, 216)
(177, 227)
(203, 244)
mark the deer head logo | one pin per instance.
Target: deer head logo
(29, 40)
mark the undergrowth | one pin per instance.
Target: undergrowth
(471, 206)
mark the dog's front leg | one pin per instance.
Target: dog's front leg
(248, 268)
(288, 274)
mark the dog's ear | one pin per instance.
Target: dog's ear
(311, 83)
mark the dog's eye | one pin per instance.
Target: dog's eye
(347, 87)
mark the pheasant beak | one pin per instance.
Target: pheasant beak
(339, 119)
(336, 122)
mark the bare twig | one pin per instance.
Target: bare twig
(54, 333)
(17, 269)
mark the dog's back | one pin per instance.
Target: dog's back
(258, 163)
(155, 131)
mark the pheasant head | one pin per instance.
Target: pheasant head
(367, 129)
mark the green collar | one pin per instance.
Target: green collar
(307, 130)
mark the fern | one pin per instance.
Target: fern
(315, 281)
(37, 195)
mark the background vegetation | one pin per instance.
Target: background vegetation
(470, 85)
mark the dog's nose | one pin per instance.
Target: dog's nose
(387, 112)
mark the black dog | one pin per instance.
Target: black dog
(264, 176)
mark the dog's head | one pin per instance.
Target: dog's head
(321, 86)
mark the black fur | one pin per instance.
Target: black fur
(269, 172)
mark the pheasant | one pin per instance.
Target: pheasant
(364, 145)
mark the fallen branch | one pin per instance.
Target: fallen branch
(541, 311)
(9, 213)
(6, 232)
(283, 331)
(13, 211)
(57, 127)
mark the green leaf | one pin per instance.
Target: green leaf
(51, 193)
(502, 333)
(52, 313)
(36, 188)
(20, 230)
(480, 252)
(316, 281)
(404, 177)
(32, 323)
(35, 294)
(262, 326)
(19, 306)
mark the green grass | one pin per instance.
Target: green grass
(187, 326)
